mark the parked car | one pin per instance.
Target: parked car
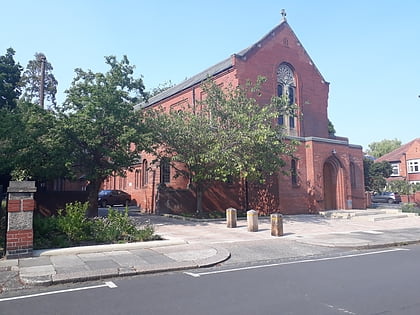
(113, 197)
(387, 197)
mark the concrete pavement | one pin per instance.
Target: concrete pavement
(193, 244)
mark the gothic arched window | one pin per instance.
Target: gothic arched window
(286, 86)
(144, 173)
(165, 171)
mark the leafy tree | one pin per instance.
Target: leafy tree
(10, 72)
(40, 153)
(378, 149)
(403, 187)
(27, 143)
(231, 136)
(161, 88)
(331, 129)
(376, 174)
(9, 121)
(98, 124)
(30, 148)
(31, 81)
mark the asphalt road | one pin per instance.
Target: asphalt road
(382, 281)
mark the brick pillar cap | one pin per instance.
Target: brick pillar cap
(21, 186)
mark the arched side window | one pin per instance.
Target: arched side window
(165, 171)
(286, 86)
(353, 179)
(144, 173)
(137, 179)
(294, 172)
(120, 182)
(114, 182)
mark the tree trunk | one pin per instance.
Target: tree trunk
(246, 195)
(93, 190)
(199, 198)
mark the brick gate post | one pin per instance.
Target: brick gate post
(20, 209)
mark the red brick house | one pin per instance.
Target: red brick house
(405, 162)
(327, 171)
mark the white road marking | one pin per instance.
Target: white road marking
(370, 232)
(111, 284)
(108, 284)
(196, 275)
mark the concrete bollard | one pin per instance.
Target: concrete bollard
(252, 219)
(276, 224)
(231, 217)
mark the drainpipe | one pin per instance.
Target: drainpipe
(193, 99)
(406, 176)
(152, 210)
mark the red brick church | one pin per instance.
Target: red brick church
(327, 172)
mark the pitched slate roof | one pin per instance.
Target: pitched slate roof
(396, 155)
(202, 76)
(198, 78)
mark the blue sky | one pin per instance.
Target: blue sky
(369, 51)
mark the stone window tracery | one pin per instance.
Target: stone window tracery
(286, 86)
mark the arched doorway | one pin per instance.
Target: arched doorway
(333, 184)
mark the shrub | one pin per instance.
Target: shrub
(73, 221)
(47, 234)
(410, 207)
(71, 227)
(118, 227)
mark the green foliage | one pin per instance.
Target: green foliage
(331, 129)
(9, 120)
(375, 174)
(30, 148)
(47, 233)
(416, 187)
(161, 88)
(403, 187)
(73, 221)
(116, 227)
(10, 72)
(71, 227)
(229, 135)
(378, 149)
(410, 207)
(98, 124)
(31, 81)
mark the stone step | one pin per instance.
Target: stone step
(370, 215)
(388, 217)
(348, 214)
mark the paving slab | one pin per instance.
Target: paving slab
(35, 261)
(101, 264)
(36, 271)
(66, 260)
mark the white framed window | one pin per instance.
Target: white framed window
(395, 169)
(413, 166)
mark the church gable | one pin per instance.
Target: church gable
(282, 41)
(266, 58)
